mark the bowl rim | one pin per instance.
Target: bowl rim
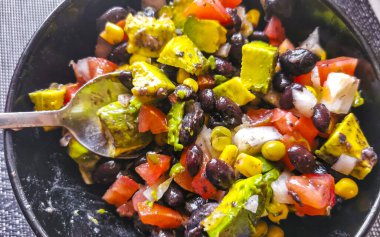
(8, 141)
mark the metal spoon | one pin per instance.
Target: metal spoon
(78, 116)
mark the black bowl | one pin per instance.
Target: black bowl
(46, 181)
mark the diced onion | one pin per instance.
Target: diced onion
(315, 79)
(81, 69)
(160, 190)
(252, 204)
(64, 141)
(204, 142)
(124, 99)
(224, 50)
(156, 4)
(280, 190)
(304, 101)
(312, 44)
(345, 164)
(273, 98)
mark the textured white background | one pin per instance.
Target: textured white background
(13, 38)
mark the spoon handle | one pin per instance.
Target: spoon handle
(30, 119)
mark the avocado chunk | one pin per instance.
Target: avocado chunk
(148, 79)
(233, 216)
(175, 117)
(181, 52)
(258, 64)
(148, 35)
(85, 159)
(235, 90)
(207, 35)
(120, 125)
(49, 99)
(348, 139)
(175, 10)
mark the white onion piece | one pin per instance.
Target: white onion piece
(339, 92)
(64, 141)
(204, 142)
(250, 140)
(160, 190)
(241, 12)
(304, 101)
(280, 190)
(81, 69)
(312, 43)
(252, 204)
(273, 98)
(224, 50)
(124, 99)
(102, 48)
(156, 4)
(315, 79)
(345, 164)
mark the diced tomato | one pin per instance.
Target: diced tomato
(284, 121)
(152, 119)
(304, 79)
(71, 89)
(209, 9)
(91, 67)
(203, 186)
(341, 64)
(275, 31)
(315, 193)
(184, 179)
(230, 3)
(288, 163)
(121, 191)
(126, 210)
(139, 197)
(306, 128)
(206, 82)
(285, 46)
(157, 215)
(151, 172)
(260, 117)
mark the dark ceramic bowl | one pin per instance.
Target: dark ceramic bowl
(46, 181)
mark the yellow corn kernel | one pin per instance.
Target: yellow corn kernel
(346, 188)
(248, 165)
(182, 75)
(124, 67)
(229, 154)
(312, 90)
(139, 58)
(275, 231)
(253, 16)
(113, 34)
(261, 229)
(277, 212)
(193, 84)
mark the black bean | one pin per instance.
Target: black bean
(220, 174)
(142, 228)
(119, 54)
(207, 99)
(215, 120)
(194, 159)
(259, 36)
(193, 227)
(170, 71)
(194, 204)
(192, 123)
(320, 168)
(235, 20)
(114, 15)
(162, 233)
(106, 173)
(302, 159)
(286, 99)
(174, 196)
(126, 78)
(224, 67)
(237, 41)
(231, 114)
(184, 93)
(280, 8)
(298, 61)
(149, 11)
(321, 117)
(280, 82)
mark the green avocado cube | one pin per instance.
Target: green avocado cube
(235, 90)
(49, 99)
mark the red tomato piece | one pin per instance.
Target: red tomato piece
(304, 79)
(157, 215)
(184, 179)
(341, 64)
(260, 117)
(206, 82)
(139, 197)
(126, 210)
(152, 119)
(275, 31)
(209, 9)
(315, 193)
(88, 68)
(151, 172)
(121, 191)
(203, 186)
(71, 89)
(231, 3)
(306, 128)
(284, 121)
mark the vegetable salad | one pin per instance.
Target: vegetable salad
(235, 126)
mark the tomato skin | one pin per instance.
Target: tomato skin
(139, 197)
(260, 117)
(206, 82)
(157, 215)
(341, 64)
(152, 119)
(88, 68)
(202, 185)
(306, 128)
(304, 79)
(126, 210)
(275, 31)
(151, 172)
(71, 89)
(315, 193)
(284, 121)
(184, 179)
(120, 191)
(209, 9)
(231, 3)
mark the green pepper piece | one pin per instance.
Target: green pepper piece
(174, 123)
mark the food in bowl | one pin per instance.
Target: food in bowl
(238, 127)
